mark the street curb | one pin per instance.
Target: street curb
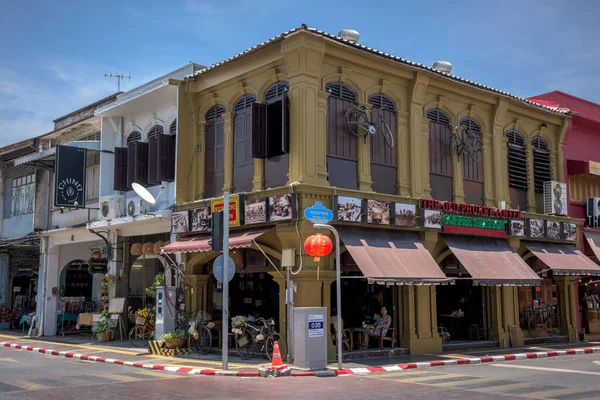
(344, 371)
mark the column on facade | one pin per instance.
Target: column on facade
(303, 57)
(50, 275)
(200, 159)
(228, 173)
(363, 147)
(419, 134)
(403, 152)
(503, 312)
(488, 170)
(499, 159)
(531, 201)
(458, 188)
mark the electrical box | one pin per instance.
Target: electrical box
(166, 310)
(310, 338)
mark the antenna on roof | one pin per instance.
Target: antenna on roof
(119, 78)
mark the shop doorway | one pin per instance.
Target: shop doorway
(141, 275)
(252, 291)
(74, 295)
(461, 311)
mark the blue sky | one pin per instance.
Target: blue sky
(53, 54)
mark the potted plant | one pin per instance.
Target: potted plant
(175, 339)
(102, 327)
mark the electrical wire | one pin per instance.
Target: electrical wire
(297, 233)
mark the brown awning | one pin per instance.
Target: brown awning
(392, 257)
(563, 259)
(593, 240)
(236, 240)
(491, 262)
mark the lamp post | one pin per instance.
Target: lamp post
(225, 316)
(338, 286)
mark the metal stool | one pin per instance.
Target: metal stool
(474, 331)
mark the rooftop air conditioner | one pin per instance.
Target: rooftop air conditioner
(555, 198)
(593, 211)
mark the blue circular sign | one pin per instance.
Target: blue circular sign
(218, 268)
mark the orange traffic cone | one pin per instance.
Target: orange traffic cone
(276, 361)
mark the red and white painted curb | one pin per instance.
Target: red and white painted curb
(344, 371)
(464, 361)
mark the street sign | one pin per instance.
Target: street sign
(318, 214)
(316, 325)
(218, 268)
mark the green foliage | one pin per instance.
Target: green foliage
(159, 280)
(176, 334)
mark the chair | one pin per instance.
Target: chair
(390, 336)
(444, 334)
(347, 340)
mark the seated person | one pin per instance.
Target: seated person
(381, 326)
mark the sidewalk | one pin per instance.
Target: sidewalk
(89, 349)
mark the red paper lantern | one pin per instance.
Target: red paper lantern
(318, 246)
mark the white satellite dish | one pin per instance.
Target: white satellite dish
(143, 193)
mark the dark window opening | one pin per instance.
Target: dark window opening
(271, 132)
(440, 161)
(384, 164)
(155, 131)
(341, 143)
(214, 163)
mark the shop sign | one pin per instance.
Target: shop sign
(594, 167)
(318, 214)
(473, 222)
(470, 209)
(235, 212)
(69, 178)
(98, 266)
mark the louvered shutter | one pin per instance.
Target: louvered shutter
(166, 158)
(141, 163)
(120, 170)
(542, 164)
(285, 121)
(259, 130)
(153, 160)
(131, 158)
(239, 126)
(220, 145)
(517, 161)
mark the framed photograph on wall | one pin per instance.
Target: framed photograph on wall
(516, 228)
(180, 222)
(405, 214)
(570, 232)
(199, 219)
(535, 228)
(378, 212)
(256, 211)
(432, 219)
(554, 230)
(282, 207)
(348, 209)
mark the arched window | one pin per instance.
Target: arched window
(440, 161)
(277, 118)
(155, 131)
(472, 166)
(214, 130)
(342, 157)
(173, 127)
(542, 165)
(243, 163)
(517, 170)
(384, 165)
(134, 137)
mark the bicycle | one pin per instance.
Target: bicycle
(360, 124)
(142, 333)
(471, 144)
(543, 322)
(261, 337)
(202, 325)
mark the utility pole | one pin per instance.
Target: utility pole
(119, 78)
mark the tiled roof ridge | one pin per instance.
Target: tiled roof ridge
(303, 27)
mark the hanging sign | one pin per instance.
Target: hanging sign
(235, 212)
(98, 266)
(69, 177)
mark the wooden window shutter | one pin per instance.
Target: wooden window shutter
(542, 164)
(259, 130)
(131, 157)
(220, 145)
(166, 158)
(239, 127)
(120, 170)
(517, 161)
(153, 159)
(285, 121)
(140, 171)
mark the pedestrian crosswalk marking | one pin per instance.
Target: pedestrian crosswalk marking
(472, 382)
(120, 377)
(77, 381)
(26, 385)
(428, 377)
(502, 388)
(572, 371)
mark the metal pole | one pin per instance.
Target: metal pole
(338, 286)
(225, 327)
(289, 304)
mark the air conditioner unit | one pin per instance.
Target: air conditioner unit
(108, 208)
(555, 198)
(593, 211)
(134, 207)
